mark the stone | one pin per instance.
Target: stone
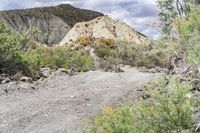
(6, 90)
(45, 72)
(26, 79)
(72, 71)
(7, 80)
(63, 70)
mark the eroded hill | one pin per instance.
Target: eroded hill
(107, 28)
(53, 22)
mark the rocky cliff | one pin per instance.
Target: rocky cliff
(53, 22)
(104, 27)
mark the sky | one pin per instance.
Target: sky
(142, 15)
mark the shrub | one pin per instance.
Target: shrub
(17, 54)
(85, 40)
(130, 54)
(10, 48)
(103, 51)
(31, 64)
(189, 29)
(158, 58)
(168, 110)
(105, 41)
(55, 57)
(82, 62)
(119, 120)
(190, 24)
(194, 54)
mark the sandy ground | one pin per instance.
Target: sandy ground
(62, 103)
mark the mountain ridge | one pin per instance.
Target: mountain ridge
(55, 21)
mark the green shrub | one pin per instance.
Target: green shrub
(17, 54)
(10, 48)
(193, 54)
(129, 54)
(31, 64)
(55, 57)
(103, 51)
(167, 110)
(82, 62)
(158, 58)
(189, 29)
(190, 24)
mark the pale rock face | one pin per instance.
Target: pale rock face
(104, 27)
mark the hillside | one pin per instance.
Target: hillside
(104, 27)
(54, 22)
(97, 74)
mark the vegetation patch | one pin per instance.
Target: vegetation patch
(130, 54)
(18, 54)
(85, 40)
(168, 109)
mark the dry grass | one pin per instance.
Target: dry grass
(105, 41)
(85, 40)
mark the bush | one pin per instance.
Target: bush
(85, 40)
(194, 54)
(157, 58)
(103, 51)
(10, 49)
(189, 29)
(17, 54)
(55, 57)
(105, 41)
(130, 54)
(190, 25)
(167, 110)
(82, 62)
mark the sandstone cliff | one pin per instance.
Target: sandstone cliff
(104, 27)
(53, 22)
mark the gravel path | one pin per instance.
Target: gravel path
(62, 103)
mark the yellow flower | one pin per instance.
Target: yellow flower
(106, 109)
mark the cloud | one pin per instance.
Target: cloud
(140, 14)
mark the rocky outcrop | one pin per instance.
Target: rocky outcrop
(104, 27)
(53, 22)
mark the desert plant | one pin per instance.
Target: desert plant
(158, 58)
(20, 54)
(85, 40)
(167, 110)
(105, 41)
(82, 62)
(55, 57)
(10, 48)
(189, 29)
(130, 54)
(193, 54)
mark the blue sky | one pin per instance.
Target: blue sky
(140, 14)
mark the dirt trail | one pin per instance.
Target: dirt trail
(61, 103)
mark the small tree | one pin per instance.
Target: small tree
(9, 48)
(170, 10)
